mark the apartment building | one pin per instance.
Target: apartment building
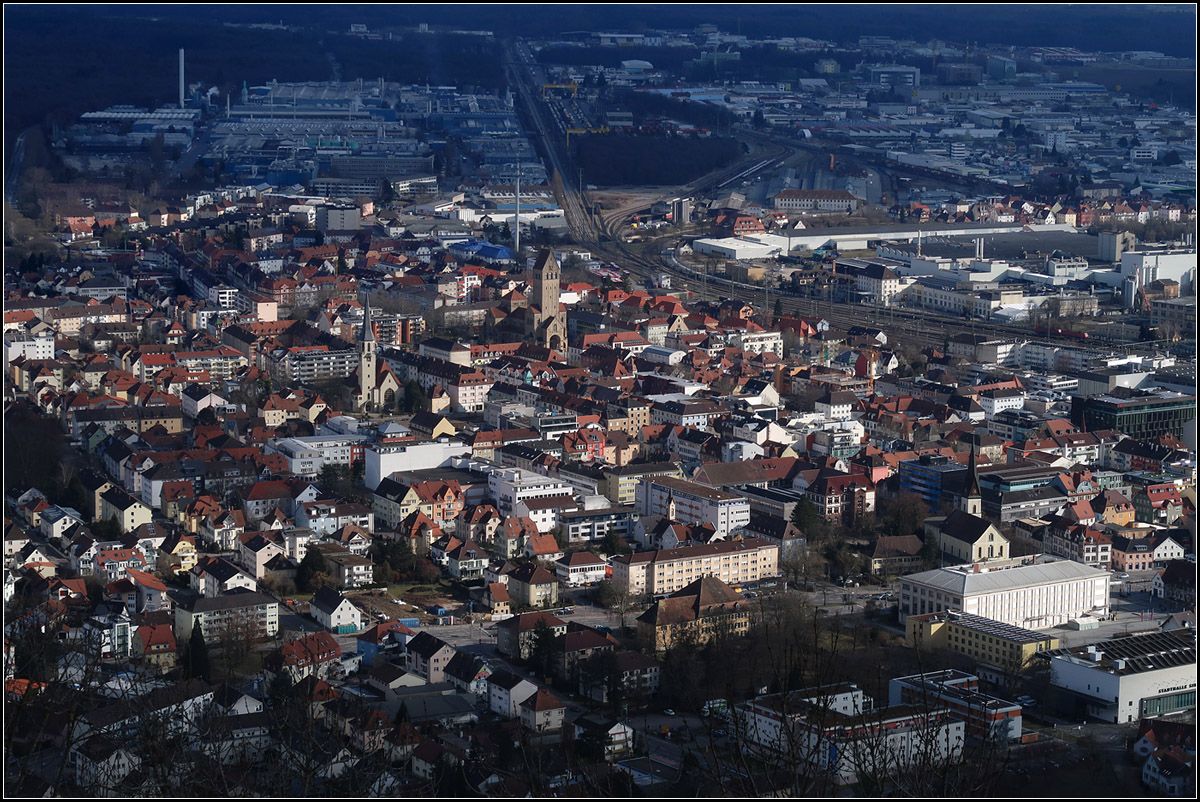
(662, 572)
(689, 502)
(255, 613)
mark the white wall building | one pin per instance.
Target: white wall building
(384, 460)
(693, 503)
(840, 733)
(510, 486)
(1035, 596)
(1125, 679)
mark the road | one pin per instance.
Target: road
(14, 169)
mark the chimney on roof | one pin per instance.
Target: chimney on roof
(975, 568)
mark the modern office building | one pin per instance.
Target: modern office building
(1139, 414)
(1129, 678)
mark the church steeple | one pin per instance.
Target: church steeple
(972, 501)
(367, 371)
(548, 326)
(367, 333)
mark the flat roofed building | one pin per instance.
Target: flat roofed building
(841, 740)
(1128, 678)
(1023, 592)
(992, 643)
(986, 716)
(693, 503)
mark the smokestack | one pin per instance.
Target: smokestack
(181, 77)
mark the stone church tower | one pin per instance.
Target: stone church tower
(367, 371)
(548, 326)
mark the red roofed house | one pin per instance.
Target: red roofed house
(543, 712)
(313, 654)
(155, 644)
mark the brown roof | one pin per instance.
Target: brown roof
(543, 700)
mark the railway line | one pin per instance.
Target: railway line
(602, 233)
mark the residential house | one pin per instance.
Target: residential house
(531, 585)
(312, 655)
(334, 611)
(514, 636)
(543, 712)
(427, 657)
(506, 692)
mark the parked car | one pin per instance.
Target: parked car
(668, 712)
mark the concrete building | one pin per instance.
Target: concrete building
(511, 486)
(689, 502)
(662, 572)
(985, 716)
(1005, 648)
(1023, 592)
(384, 460)
(837, 731)
(1128, 678)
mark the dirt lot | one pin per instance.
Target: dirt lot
(374, 602)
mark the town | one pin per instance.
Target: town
(678, 412)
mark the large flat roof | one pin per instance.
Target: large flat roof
(964, 581)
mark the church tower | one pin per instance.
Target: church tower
(367, 371)
(972, 500)
(548, 326)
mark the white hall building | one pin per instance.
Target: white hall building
(1030, 592)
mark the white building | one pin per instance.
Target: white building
(306, 456)
(18, 343)
(580, 568)
(998, 400)
(1034, 596)
(689, 502)
(510, 486)
(1128, 678)
(1146, 266)
(837, 730)
(756, 342)
(384, 460)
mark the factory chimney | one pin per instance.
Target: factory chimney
(181, 78)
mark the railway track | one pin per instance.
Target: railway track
(603, 235)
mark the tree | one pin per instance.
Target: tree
(206, 417)
(311, 568)
(541, 653)
(196, 661)
(902, 514)
(808, 520)
(415, 399)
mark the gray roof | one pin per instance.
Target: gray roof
(965, 582)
